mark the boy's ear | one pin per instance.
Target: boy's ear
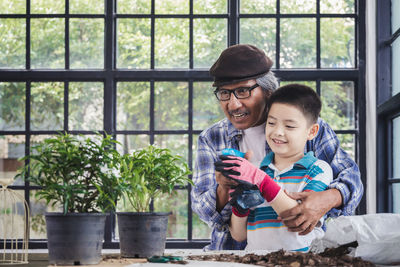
(313, 131)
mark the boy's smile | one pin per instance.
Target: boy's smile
(278, 141)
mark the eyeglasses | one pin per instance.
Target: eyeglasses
(240, 93)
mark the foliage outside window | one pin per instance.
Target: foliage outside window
(131, 97)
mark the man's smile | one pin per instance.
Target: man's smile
(238, 114)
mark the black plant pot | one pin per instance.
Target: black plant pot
(75, 238)
(142, 234)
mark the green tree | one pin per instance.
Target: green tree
(12, 43)
(171, 40)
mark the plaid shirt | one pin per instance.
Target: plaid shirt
(224, 135)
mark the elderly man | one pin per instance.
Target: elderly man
(244, 82)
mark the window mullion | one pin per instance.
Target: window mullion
(233, 22)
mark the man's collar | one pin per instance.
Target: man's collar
(232, 131)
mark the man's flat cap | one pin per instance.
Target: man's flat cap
(240, 63)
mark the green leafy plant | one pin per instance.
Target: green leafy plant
(150, 172)
(81, 174)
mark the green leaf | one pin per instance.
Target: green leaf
(78, 173)
(149, 172)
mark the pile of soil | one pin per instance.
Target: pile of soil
(330, 257)
(117, 260)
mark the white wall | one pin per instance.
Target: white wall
(370, 187)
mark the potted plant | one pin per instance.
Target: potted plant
(81, 175)
(147, 174)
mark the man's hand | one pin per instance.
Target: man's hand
(224, 182)
(304, 217)
(225, 185)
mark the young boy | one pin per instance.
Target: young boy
(293, 111)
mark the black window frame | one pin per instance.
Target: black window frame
(110, 75)
(388, 106)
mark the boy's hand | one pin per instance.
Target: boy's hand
(239, 169)
(236, 208)
(244, 172)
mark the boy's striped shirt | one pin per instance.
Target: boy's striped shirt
(264, 230)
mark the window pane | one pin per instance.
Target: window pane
(47, 106)
(258, 6)
(12, 43)
(86, 106)
(200, 229)
(12, 147)
(130, 143)
(396, 148)
(86, 7)
(172, 43)
(337, 42)
(133, 106)
(13, 7)
(177, 221)
(195, 139)
(311, 84)
(133, 43)
(171, 106)
(178, 144)
(172, 7)
(209, 6)
(12, 106)
(261, 33)
(87, 43)
(133, 6)
(395, 4)
(396, 197)
(298, 43)
(47, 43)
(348, 144)
(396, 67)
(337, 6)
(209, 39)
(35, 140)
(338, 104)
(206, 108)
(38, 222)
(48, 7)
(296, 6)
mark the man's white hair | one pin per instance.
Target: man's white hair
(268, 82)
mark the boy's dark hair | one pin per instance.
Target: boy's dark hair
(300, 96)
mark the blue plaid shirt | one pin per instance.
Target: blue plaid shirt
(224, 135)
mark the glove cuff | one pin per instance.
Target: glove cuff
(269, 188)
(237, 213)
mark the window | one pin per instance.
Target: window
(388, 98)
(138, 69)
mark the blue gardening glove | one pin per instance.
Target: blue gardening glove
(237, 209)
